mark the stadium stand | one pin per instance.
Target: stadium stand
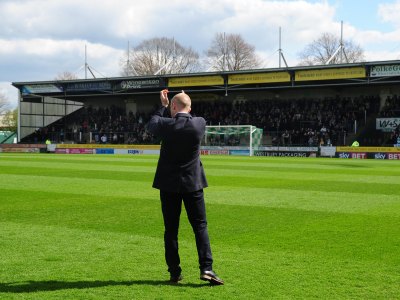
(288, 122)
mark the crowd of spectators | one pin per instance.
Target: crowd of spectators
(98, 125)
(309, 122)
(301, 122)
(113, 125)
(391, 108)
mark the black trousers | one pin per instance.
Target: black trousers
(171, 204)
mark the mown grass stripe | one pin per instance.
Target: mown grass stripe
(88, 227)
(344, 202)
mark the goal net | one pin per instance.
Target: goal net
(233, 136)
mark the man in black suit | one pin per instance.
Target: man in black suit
(180, 176)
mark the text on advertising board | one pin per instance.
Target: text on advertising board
(195, 81)
(327, 74)
(89, 86)
(259, 78)
(139, 84)
(388, 70)
(387, 124)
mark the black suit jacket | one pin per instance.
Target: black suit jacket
(179, 167)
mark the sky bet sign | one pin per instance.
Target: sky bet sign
(364, 155)
(368, 152)
(356, 155)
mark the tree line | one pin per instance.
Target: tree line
(227, 52)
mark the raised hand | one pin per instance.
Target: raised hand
(164, 97)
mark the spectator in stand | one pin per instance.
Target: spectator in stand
(115, 138)
(286, 138)
(103, 139)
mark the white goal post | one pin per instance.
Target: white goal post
(233, 136)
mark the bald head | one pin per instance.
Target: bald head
(182, 100)
(180, 103)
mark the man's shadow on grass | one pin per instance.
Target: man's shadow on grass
(43, 286)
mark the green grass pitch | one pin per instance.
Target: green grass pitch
(90, 227)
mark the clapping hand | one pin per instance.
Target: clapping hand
(164, 97)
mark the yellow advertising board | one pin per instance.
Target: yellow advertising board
(367, 149)
(329, 74)
(195, 81)
(259, 78)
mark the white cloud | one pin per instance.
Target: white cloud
(390, 12)
(10, 92)
(382, 55)
(43, 38)
(58, 56)
(111, 21)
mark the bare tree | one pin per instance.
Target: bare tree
(66, 75)
(6, 115)
(231, 52)
(321, 50)
(4, 103)
(159, 56)
(10, 120)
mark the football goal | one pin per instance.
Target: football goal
(246, 137)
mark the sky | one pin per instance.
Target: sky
(40, 39)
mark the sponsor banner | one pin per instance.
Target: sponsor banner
(40, 88)
(98, 146)
(284, 154)
(380, 155)
(23, 146)
(223, 148)
(75, 151)
(80, 151)
(61, 151)
(259, 78)
(151, 152)
(195, 81)
(393, 155)
(89, 86)
(359, 155)
(20, 150)
(288, 149)
(329, 74)
(353, 155)
(214, 152)
(140, 84)
(367, 149)
(239, 152)
(105, 151)
(136, 151)
(372, 155)
(327, 151)
(387, 124)
(387, 70)
(51, 147)
(128, 151)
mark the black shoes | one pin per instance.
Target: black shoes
(175, 274)
(175, 278)
(211, 277)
